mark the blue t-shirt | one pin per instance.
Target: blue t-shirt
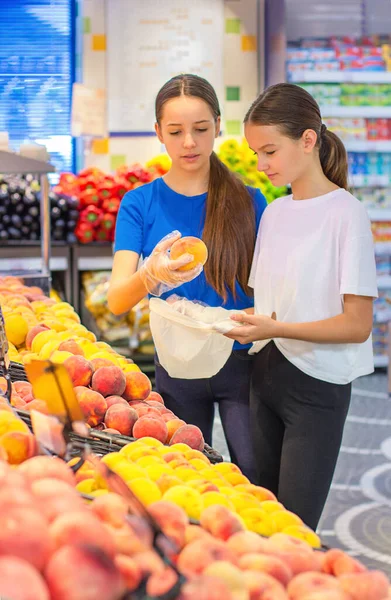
(152, 211)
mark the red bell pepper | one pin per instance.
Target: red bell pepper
(102, 235)
(84, 232)
(86, 183)
(123, 186)
(91, 172)
(134, 174)
(107, 189)
(91, 214)
(89, 197)
(111, 205)
(108, 222)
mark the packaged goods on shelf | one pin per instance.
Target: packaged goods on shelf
(369, 54)
(383, 265)
(380, 339)
(374, 198)
(382, 307)
(114, 329)
(350, 94)
(381, 231)
(369, 163)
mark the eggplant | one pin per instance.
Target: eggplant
(16, 221)
(14, 233)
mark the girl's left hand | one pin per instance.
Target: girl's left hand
(254, 328)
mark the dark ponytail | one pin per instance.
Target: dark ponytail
(230, 225)
(294, 110)
(333, 158)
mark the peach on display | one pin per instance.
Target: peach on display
(172, 426)
(19, 580)
(92, 404)
(109, 381)
(81, 528)
(25, 533)
(220, 521)
(265, 563)
(172, 519)
(80, 370)
(110, 400)
(138, 386)
(42, 467)
(83, 572)
(191, 435)
(150, 426)
(72, 347)
(155, 397)
(197, 555)
(122, 418)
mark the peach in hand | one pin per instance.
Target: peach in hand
(190, 245)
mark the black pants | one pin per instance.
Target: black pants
(193, 400)
(297, 424)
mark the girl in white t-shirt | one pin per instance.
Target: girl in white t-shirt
(314, 280)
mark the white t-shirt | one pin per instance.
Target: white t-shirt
(308, 254)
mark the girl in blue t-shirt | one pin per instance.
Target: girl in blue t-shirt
(200, 197)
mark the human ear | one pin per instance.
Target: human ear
(159, 133)
(309, 139)
(217, 126)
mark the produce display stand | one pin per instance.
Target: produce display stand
(14, 164)
(101, 442)
(15, 256)
(88, 257)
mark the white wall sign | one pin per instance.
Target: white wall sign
(150, 41)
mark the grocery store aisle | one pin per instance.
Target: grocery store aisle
(357, 516)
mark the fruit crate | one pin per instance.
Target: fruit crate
(100, 442)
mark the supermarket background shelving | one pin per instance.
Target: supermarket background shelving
(345, 65)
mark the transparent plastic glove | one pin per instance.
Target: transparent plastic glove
(160, 274)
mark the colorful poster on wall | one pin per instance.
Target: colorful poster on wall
(149, 42)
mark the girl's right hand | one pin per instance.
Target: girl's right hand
(160, 274)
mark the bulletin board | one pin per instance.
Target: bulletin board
(150, 41)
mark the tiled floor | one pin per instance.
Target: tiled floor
(357, 516)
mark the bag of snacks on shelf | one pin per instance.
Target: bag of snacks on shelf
(188, 338)
(132, 328)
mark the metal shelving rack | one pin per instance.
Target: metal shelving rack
(38, 272)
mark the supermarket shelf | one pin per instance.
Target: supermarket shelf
(95, 263)
(382, 248)
(380, 361)
(379, 214)
(88, 257)
(368, 146)
(27, 259)
(384, 282)
(340, 77)
(371, 112)
(369, 180)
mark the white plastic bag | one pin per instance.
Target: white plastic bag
(187, 337)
